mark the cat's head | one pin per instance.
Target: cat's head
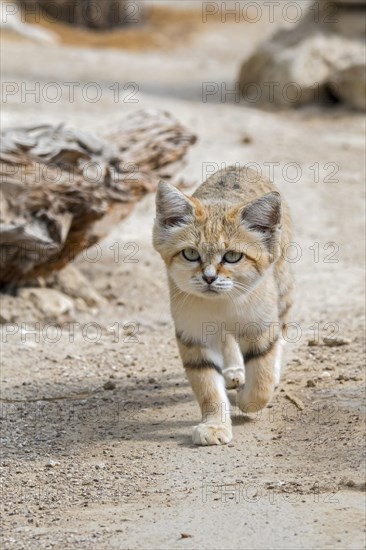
(212, 249)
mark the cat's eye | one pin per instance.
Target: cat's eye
(232, 257)
(190, 254)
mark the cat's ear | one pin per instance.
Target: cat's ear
(172, 206)
(263, 216)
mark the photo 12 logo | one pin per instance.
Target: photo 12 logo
(54, 92)
(287, 172)
(270, 92)
(90, 13)
(272, 493)
(269, 11)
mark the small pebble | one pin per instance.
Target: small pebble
(109, 385)
(130, 329)
(336, 341)
(51, 463)
(310, 384)
(343, 377)
(325, 374)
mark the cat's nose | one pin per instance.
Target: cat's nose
(209, 278)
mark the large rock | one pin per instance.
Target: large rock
(350, 86)
(50, 302)
(73, 283)
(346, 18)
(310, 63)
(322, 57)
(290, 74)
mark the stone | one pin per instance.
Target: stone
(349, 23)
(73, 283)
(48, 301)
(343, 377)
(336, 341)
(346, 17)
(349, 85)
(346, 2)
(109, 385)
(325, 374)
(322, 58)
(52, 463)
(295, 70)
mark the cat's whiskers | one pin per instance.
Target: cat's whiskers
(235, 304)
(181, 298)
(246, 288)
(248, 294)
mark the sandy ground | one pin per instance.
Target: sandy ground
(115, 468)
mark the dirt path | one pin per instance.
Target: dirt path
(115, 467)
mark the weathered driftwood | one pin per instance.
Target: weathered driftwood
(57, 182)
(95, 14)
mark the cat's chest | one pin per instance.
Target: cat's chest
(208, 323)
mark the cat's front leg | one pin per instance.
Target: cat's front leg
(208, 385)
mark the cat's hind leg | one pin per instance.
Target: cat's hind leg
(278, 360)
(233, 370)
(260, 377)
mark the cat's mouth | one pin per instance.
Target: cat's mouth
(211, 291)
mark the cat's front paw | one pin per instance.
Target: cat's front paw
(234, 377)
(212, 434)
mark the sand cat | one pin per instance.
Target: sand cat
(230, 290)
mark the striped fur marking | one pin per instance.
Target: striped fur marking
(285, 310)
(256, 354)
(202, 364)
(187, 341)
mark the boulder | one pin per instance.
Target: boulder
(297, 73)
(73, 283)
(321, 58)
(349, 85)
(50, 302)
(342, 17)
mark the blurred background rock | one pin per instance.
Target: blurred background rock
(322, 58)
